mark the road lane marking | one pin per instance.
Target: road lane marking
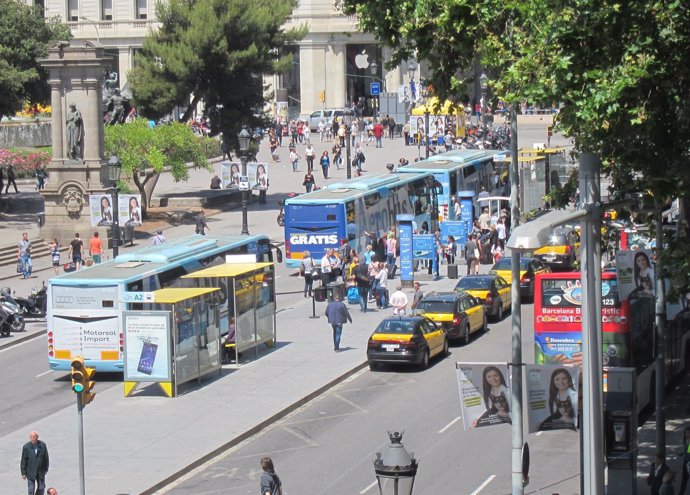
(449, 425)
(369, 487)
(44, 373)
(483, 485)
(347, 401)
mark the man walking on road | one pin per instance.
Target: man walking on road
(34, 464)
(75, 250)
(338, 315)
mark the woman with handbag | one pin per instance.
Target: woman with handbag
(309, 182)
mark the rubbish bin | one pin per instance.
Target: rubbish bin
(336, 288)
(320, 294)
(452, 271)
(128, 234)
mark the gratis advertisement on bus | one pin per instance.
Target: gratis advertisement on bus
(558, 315)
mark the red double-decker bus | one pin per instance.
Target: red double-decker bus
(627, 327)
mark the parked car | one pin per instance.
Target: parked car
(327, 115)
(406, 339)
(529, 267)
(563, 249)
(489, 289)
(460, 313)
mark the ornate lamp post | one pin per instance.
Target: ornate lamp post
(484, 85)
(243, 138)
(395, 468)
(347, 122)
(114, 168)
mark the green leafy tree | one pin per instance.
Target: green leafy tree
(214, 52)
(24, 38)
(617, 69)
(145, 152)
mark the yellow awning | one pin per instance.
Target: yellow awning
(447, 108)
(173, 295)
(228, 270)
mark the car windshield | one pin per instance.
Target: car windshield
(558, 240)
(505, 264)
(469, 283)
(396, 326)
(436, 306)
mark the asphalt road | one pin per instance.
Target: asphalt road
(328, 446)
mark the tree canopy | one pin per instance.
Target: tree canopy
(215, 52)
(24, 38)
(146, 151)
(617, 70)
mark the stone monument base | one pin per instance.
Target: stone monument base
(66, 199)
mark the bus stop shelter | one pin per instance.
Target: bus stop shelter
(172, 338)
(248, 305)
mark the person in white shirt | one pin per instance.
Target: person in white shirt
(399, 301)
(382, 278)
(322, 127)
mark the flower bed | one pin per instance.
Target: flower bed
(25, 162)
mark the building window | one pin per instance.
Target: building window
(106, 10)
(141, 9)
(73, 10)
(40, 4)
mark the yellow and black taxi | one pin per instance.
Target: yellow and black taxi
(562, 250)
(489, 289)
(411, 339)
(460, 313)
(529, 268)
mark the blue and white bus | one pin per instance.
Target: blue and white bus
(458, 170)
(341, 215)
(84, 316)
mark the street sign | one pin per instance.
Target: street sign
(375, 88)
(137, 297)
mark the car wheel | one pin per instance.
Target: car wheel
(499, 313)
(446, 348)
(373, 366)
(425, 360)
(485, 324)
(466, 334)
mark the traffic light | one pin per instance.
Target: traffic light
(549, 131)
(322, 95)
(81, 380)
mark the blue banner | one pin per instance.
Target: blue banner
(466, 216)
(406, 256)
(423, 246)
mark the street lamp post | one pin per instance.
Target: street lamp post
(484, 85)
(395, 468)
(244, 137)
(347, 122)
(114, 168)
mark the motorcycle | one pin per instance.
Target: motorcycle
(5, 327)
(281, 214)
(13, 310)
(35, 305)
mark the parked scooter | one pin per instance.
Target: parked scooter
(281, 214)
(35, 305)
(5, 327)
(14, 311)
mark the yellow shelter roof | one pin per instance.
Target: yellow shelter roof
(173, 295)
(228, 270)
(446, 108)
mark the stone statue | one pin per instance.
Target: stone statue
(74, 126)
(117, 106)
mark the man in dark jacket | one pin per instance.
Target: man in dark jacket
(338, 315)
(34, 464)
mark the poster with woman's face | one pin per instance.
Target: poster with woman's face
(129, 209)
(635, 273)
(551, 397)
(484, 394)
(258, 175)
(230, 173)
(101, 210)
